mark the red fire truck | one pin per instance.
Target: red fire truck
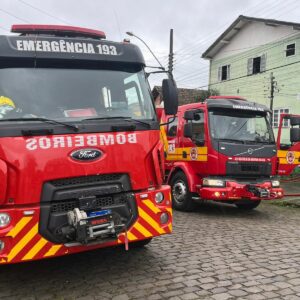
(81, 161)
(224, 150)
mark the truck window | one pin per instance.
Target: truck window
(240, 125)
(172, 127)
(75, 94)
(198, 127)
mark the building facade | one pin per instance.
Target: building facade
(257, 59)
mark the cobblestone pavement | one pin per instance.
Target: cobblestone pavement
(216, 252)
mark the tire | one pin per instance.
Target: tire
(247, 204)
(181, 195)
(140, 244)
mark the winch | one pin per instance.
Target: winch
(84, 227)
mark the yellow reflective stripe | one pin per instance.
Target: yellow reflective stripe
(150, 221)
(170, 211)
(23, 242)
(200, 150)
(131, 236)
(283, 161)
(20, 225)
(37, 247)
(151, 206)
(163, 138)
(53, 250)
(170, 227)
(188, 158)
(281, 154)
(142, 230)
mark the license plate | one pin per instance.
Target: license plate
(100, 213)
(99, 217)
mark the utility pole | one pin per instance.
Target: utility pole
(272, 88)
(171, 55)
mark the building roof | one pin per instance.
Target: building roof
(236, 26)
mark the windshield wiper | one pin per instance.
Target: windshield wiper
(128, 119)
(258, 142)
(231, 140)
(45, 120)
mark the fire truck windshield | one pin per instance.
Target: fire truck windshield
(240, 126)
(74, 94)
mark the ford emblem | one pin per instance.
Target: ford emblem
(86, 154)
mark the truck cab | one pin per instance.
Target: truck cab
(222, 149)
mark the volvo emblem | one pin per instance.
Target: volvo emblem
(250, 151)
(87, 154)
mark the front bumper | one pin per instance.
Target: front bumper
(234, 191)
(22, 241)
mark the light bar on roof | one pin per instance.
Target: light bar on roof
(58, 30)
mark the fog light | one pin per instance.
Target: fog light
(164, 218)
(279, 194)
(275, 183)
(4, 219)
(217, 194)
(159, 197)
(2, 245)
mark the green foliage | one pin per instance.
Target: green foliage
(205, 94)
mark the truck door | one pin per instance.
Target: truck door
(288, 144)
(194, 141)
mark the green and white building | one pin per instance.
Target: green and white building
(248, 53)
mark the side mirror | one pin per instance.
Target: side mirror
(170, 96)
(295, 121)
(191, 115)
(188, 130)
(295, 135)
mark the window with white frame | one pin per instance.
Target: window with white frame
(290, 50)
(224, 73)
(276, 117)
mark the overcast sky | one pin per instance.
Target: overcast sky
(196, 24)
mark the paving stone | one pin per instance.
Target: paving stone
(222, 296)
(215, 252)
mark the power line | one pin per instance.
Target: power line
(14, 16)
(268, 46)
(192, 56)
(44, 12)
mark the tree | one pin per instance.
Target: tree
(206, 93)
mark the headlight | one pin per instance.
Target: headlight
(4, 219)
(275, 183)
(213, 182)
(159, 197)
(164, 218)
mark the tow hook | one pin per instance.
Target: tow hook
(257, 191)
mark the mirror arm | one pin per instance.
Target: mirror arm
(169, 122)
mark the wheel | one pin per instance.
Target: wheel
(181, 196)
(247, 204)
(140, 244)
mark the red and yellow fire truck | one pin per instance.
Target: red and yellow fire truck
(81, 161)
(224, 150)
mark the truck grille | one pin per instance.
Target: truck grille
(86, 179)
(65, 206)
(248, 169)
